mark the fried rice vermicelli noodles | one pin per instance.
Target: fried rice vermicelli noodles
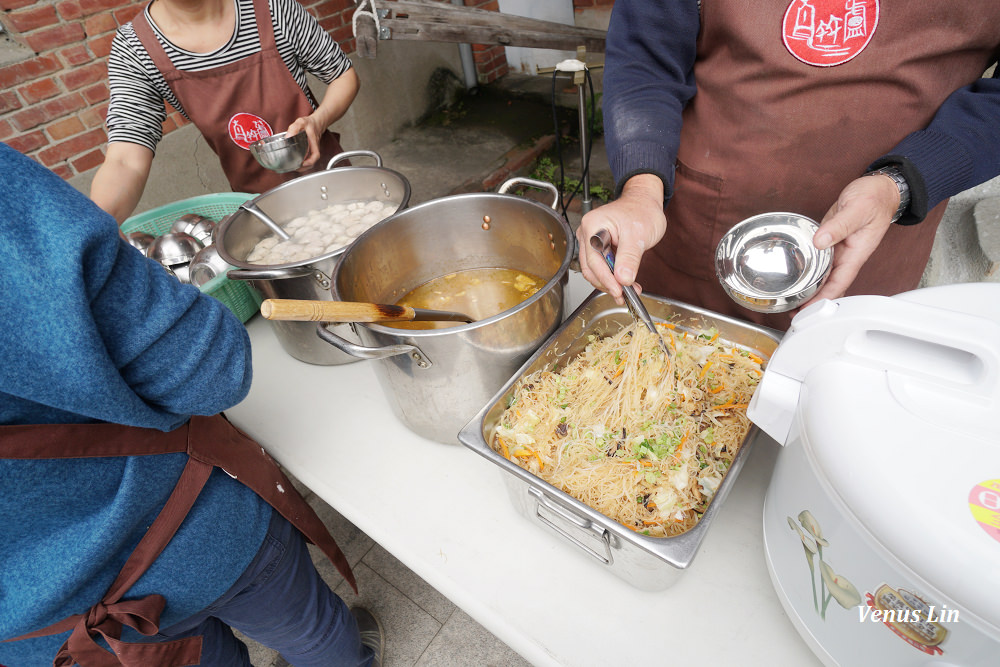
(641, 437)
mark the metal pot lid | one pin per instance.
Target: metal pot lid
(895, 402)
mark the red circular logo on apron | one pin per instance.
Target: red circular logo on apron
(246, 128)
(828, 32)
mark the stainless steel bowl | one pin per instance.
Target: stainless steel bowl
(140, 240)
(174, 248)
(281, 153)
(196, 225)
(768, 262)
(206, 265)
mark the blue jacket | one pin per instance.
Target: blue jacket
(94, 331)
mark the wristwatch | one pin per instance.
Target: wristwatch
(896, 174)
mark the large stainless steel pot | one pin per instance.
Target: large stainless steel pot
(437, 379)
(237, 235)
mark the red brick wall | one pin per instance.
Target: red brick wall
(490, 59)
(54, 100)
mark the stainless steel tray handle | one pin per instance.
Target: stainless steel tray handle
(579, 522)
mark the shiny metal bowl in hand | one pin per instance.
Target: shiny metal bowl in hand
(768, 263)
(281, 153)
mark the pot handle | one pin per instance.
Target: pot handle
(362, 352)
(542, 185)
(340, 157)
(271, 274)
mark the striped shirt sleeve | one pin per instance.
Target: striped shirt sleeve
(138, 90)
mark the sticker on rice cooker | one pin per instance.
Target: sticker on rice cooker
(984, 501)
(909, 616)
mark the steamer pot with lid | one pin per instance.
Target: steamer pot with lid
(882, 517)
(237, 235)
(436, 379)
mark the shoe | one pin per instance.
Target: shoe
(371, 633)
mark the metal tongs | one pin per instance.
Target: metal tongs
(601, 242)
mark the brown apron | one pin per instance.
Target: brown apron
(209, 442)
(237, 104)
(767, 131)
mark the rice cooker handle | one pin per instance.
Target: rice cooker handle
(912, 339)
(952, 353)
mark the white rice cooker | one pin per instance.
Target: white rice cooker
(882, 518)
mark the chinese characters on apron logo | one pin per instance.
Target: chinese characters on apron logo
(826, 33)
(246, 128)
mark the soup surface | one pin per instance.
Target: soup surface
(479, 293)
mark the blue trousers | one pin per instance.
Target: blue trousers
(283, 603)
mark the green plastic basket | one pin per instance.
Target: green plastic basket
(237, 295)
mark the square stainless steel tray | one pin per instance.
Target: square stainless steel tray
(649, 563)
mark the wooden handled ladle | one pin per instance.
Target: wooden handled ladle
(304, 310)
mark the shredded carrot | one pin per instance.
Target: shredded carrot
(541, 463)
(729, 406)
(621, 369)
(650, 523)
(704, 369)
(668, 325)
(504, 448)
(717, 389)
(647, 464)
(680, 447)
(754, 357)
(713, 338)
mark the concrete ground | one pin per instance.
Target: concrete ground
(485, 138)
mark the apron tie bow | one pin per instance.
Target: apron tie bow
(107, 620)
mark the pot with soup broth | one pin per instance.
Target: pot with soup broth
(509, 275)
(478, 293)
(321, 213)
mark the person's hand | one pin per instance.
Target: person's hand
(854, 226)
(310, 126)
(635, 222)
